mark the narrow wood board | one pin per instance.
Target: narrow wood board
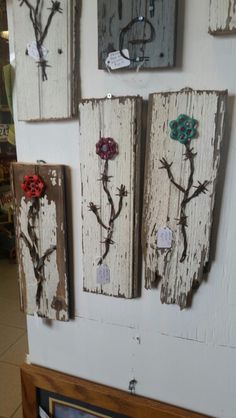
(162, 199)
(120, 119)
(112, 19)
(57, 97)
(222, 17)
(50, 230)
(36, 380)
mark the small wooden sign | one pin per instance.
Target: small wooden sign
(182, 161)
(109, 151)
(140, 34)
(222, 17)
(40, 223)
(47, 68)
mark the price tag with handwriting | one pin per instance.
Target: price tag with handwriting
(115, 60)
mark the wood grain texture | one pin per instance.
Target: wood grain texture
(222, 17)
(120, 119)
(116, 401)
(162, 199)
(111, 20)
(50, 230)
(57, 97)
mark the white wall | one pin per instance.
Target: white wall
(186, 358)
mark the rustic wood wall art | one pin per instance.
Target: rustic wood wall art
(39, 194)
(40, 384)
(222, 17)
(136, 34)
(109, 152)
(182, 161)
(47, 69)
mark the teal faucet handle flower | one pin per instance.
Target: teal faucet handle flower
(183, 129)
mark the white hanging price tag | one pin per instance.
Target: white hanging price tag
(164, 238)
(103, 274)
(114, 60)
(33, 51)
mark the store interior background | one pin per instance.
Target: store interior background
(186, 358)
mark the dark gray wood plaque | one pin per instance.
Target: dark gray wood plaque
(158, 28)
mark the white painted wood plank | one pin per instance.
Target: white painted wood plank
(50, 229)
(54, 98)
(222, 17)
(119, 119)
(162, 199)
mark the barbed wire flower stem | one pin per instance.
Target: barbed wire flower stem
(107, 149)
(184, 129)
(39, 33)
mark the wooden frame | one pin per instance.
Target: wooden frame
(115, 401)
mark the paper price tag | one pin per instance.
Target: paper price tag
(115, 60)
(42, 413)
(103, 274)
(164, 238)
(33, 51)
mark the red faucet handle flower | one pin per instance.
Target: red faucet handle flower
(33, 186)
(107, 148)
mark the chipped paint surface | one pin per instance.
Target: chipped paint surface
(49, 228)
(115, 118)
(57, 98)
(162, 199)
(222, 17)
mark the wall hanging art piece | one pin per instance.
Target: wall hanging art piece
(110, 152)
(136, 34)
(222, 17)
(182, 161)
(47, 69)
(40, 223)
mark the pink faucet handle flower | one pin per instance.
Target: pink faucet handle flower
(107, 148)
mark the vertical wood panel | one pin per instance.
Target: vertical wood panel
(50, 229)
(222, 18)
(161, 51)
(162, 200)
(56, 97)
(119, 119)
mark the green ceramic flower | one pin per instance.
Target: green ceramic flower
(183, 129)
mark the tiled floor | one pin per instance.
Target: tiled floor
(13, 342)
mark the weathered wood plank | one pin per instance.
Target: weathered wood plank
(56, 97)
(113, 16)
(222, 17)
(40, 225)
(163, 199)
(119, 119)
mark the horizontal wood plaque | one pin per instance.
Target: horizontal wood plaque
(182, 161)
(110, 128)
(54, 94)
(40, 224)
(147, 29)
(222, 17)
